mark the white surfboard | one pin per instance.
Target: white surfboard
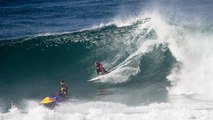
(97, 78)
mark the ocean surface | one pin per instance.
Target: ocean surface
(158, 52)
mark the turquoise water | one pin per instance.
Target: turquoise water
(34, 66)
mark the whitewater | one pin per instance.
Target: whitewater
(159, 70)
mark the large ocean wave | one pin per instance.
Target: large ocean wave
(150, 60)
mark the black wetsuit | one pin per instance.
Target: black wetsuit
(63, 92)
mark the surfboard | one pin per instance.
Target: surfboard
(97, 78)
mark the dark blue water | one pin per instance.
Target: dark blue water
(32, 17)
(25, 18)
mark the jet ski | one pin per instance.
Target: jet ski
(52, 101)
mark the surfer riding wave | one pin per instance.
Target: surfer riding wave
(100, 68)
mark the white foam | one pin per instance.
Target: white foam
(196, 75)
(127, 68)
(111, 111)
(191, 47)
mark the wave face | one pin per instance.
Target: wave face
(150, 61)
(33, 66)
(147, 55)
